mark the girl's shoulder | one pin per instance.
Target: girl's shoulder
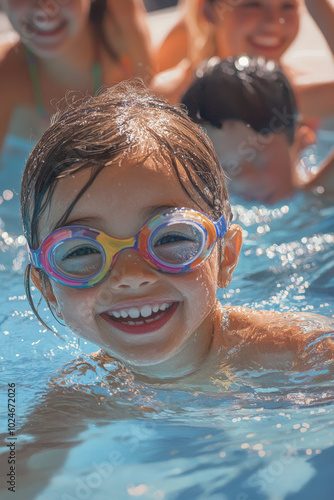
(14, 72)
(244, 323)
(251, 335)
(11, 54)
(15, 85)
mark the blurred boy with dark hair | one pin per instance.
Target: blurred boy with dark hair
(250, 112)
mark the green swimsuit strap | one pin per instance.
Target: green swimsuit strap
(35, 83)
(97, 76)
(96, 73)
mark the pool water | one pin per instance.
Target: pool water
(253, 435)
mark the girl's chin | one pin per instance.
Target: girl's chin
(147, 362)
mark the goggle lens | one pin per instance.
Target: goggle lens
(78, 258)
(177, 244)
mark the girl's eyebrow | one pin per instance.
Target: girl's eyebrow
(95, 220)
(83, 221)
(156, 209)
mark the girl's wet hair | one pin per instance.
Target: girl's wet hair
(125, 123)
(249, 89)
(97, 12)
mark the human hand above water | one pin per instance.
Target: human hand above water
(322, 12)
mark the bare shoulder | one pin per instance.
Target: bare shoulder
(15, 85)
(14, 72)
(173, 48)
(253, 322)
(249, 335)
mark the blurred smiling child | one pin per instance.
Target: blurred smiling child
(66, 45)
(226, 28)
(128, 223)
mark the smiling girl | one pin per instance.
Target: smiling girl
(226, 28)
(66, 45)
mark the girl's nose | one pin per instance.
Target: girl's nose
(131, 271)
(44, 10)
(272, 15)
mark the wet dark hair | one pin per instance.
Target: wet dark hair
(249, 89)
(97, 12)
(128, 122)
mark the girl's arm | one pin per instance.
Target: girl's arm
(173, 49)
(315, 100)
(131, 16)
(7, 91)
(173, 83)
(322, 12)
(6, 111)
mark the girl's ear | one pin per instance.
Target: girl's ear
(44, 286)
(229, 255)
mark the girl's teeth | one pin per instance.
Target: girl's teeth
(41, 24)
(267, 41)
(134, 313)
(145, 312)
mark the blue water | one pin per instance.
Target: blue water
(258, 435)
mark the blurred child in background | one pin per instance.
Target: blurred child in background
(249, 110)
(228, 28)
(74, 45)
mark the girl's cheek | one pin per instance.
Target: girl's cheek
(76, 308)
(204, 288)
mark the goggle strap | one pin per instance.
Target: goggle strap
(221, 228)
(34, 257)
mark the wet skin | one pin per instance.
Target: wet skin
(260, 167)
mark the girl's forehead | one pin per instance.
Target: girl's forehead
(119, 191)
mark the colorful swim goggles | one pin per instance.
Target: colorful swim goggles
(176, 241)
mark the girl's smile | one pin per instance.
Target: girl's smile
(140, 319)
(47, 27)
(263, 28)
